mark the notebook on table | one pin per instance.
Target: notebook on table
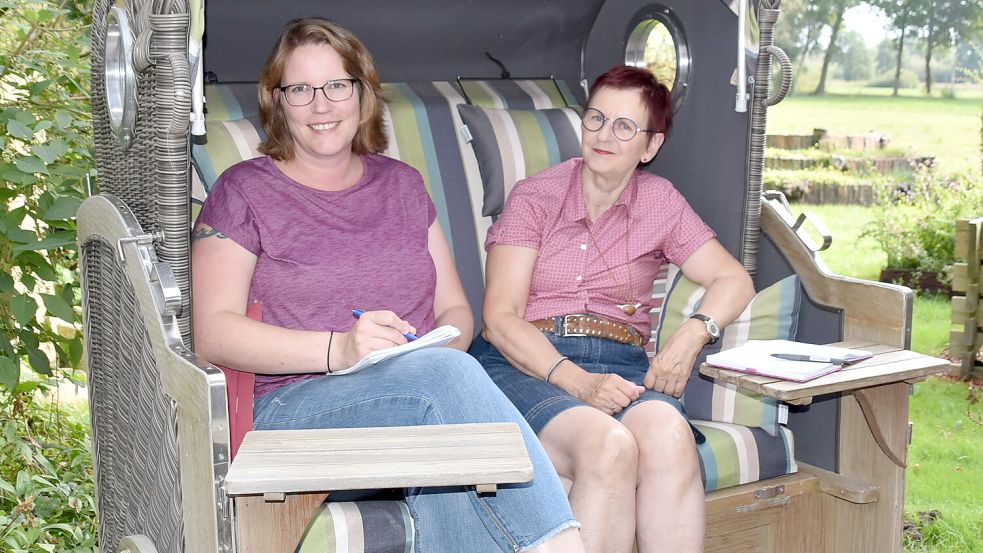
(764, 357)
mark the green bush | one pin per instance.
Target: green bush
(45, 156)
(47, 499)
(908, 78)
(916, 224)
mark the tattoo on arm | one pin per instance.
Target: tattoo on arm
(202, 233)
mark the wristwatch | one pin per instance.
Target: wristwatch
(712, 329)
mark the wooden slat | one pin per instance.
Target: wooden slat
(960, 277)
(265, 527)
(861, 378)
(847, 488)
(375, 458)
(889, 364)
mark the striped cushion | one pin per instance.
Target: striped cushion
(422, 124)
(734, 454)
(519, 94)
(359, 527)
(225, 102)
(772, 314)
(227, 143)
(511, 145)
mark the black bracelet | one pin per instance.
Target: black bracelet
(328, 360)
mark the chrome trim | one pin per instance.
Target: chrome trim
(639, 29)
(120, 76)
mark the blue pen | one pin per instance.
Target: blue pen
(358, 313)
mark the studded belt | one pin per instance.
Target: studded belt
(591, 325)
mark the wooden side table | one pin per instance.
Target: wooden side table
(872, 445)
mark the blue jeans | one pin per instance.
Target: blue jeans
(539, 402)
(434, 386)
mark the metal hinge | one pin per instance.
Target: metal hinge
(768, 493)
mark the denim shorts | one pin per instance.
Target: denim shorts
(540, 401)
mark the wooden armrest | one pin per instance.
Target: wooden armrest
(293, 461)
(847, 488)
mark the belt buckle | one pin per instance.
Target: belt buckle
(566, 331)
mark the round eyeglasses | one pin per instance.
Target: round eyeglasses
(301, 94)
(623, 128)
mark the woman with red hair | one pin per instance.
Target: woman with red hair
(570, 267)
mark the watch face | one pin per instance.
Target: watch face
(713, 329)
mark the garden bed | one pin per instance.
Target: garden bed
(926, 282)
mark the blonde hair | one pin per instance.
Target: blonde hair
(370, 137)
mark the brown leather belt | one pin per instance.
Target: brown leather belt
(591, 325)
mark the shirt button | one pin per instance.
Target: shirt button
(583, 246)
(580, 277)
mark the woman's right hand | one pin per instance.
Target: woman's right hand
(374, 330)
(608, 392)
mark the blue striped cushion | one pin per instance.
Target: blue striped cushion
(359, 527)
(772, 314)
(518, 94)
(512, 144)
(422, 122)
(733, 454)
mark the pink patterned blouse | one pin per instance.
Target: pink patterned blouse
(583, 267)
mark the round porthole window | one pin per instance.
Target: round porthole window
(121, 82)
(656, 42)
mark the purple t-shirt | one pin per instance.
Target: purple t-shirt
(321, 254)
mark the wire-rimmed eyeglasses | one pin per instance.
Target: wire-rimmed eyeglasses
(301, 94)
(623, 128)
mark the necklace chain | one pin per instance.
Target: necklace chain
(629, 307)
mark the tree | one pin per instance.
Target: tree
(944, 23)
(900, 13)
(854, 57)
(835, 9)
(799, 30)
(45, 156)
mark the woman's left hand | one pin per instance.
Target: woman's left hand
(670, 369)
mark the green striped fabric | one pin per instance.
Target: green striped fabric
(512, 144)
(733, 454)
(772, 314)
(227, 143)
(423, 126)
(519, 94)
(359, 527)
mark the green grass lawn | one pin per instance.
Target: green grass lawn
(947, 128)
(945, 466)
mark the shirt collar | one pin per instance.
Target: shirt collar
(574, 206)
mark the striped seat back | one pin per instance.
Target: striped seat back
(425, 131)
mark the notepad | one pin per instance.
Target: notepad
(435, 338)
(755, 357)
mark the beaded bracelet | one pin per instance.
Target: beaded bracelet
(328, 360)
(549, 372)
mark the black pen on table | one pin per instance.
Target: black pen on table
(358, 313)
(811, 358)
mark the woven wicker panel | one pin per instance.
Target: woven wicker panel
(126, 173)
(134, 429)
(152, 174)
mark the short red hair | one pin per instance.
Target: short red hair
(655, 95)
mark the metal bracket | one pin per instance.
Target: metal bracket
(768, 493)
(140, 240)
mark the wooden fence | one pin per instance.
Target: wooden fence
(966, 334)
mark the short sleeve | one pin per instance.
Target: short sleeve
(521, 221)
(689, 232)
(228, 212)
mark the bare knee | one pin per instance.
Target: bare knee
(665, 441)
(609, 452)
